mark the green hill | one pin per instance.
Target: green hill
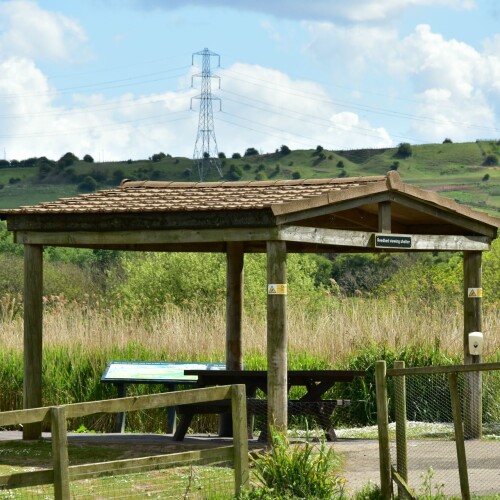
(466, 172)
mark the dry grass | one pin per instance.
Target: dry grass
(183, 334)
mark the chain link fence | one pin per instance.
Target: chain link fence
(446, 435)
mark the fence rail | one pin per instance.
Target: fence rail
(62, 473)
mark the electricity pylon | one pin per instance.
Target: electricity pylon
(205, 153)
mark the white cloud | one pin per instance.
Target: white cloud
(326, 10)
(455, 85)
(26, 30)
(272, 109)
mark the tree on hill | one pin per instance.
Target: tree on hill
(236, 156)
(88, 185)
(67, 159)
(404, 150)
(285, 150)
(251, 152)
(447, 141)
(88, 159)
(490, 161)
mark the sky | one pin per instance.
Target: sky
(119, 79)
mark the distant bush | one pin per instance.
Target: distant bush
(340, 164)
(404, 150)
(235, 173)
(67, 159)
(251, 152)
(132, 293)
(236, 156)
(88, 159)
(447, 141)
(4, 164)
(491, 160)
(158, 157)
(285, 150)
(88, 185)
(296, 175)
(394, 166)
(486, 177)
(221, 155)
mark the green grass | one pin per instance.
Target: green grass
(456, 166)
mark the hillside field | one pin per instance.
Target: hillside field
(466, 172)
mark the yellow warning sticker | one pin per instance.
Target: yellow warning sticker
(277, 289)
(474, 293)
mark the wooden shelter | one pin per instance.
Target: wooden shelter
(363, 214)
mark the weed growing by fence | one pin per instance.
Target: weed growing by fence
(302, 470)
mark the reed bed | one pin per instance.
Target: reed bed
(80, 340)
(179, 334)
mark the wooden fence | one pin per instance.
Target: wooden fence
(62, 473)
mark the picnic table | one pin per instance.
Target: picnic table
(316, 383)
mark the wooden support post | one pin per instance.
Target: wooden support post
(472, 323)
(234, 318)
(383, 430)
(384, 217)
(277, 390)
(401, 424)
(459, 435)
(60, 458)
(33, 312)
(234, 306)
(240, 441)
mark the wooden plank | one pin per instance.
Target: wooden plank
(145, 237)
(28, 478)
(459, 435)
(149, 401)
(401, 424)
(363, 239)
(144, 464)
(442, 213)
(240, 440)
(234, 306)
(21, 417)
(347, 203)
(384, 217)
(432, 370)
(277, 361)
(404, 490)
(60, 459)
(383, 429)
(33, 331)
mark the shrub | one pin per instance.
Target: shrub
(221, 155)
(296, 471)
(404, 150)
(491, 160)
(88, 159)
(340, 164)
(88, 185)
(235, 173)
(296, 175)
(285, 150)
(236, 156)
(447, 141)
(251, 152)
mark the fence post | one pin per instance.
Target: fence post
(383, 430)
(240, 437)
(459, 435)
(60, 452)
(401, 423)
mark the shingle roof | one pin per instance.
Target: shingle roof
(149, 196)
